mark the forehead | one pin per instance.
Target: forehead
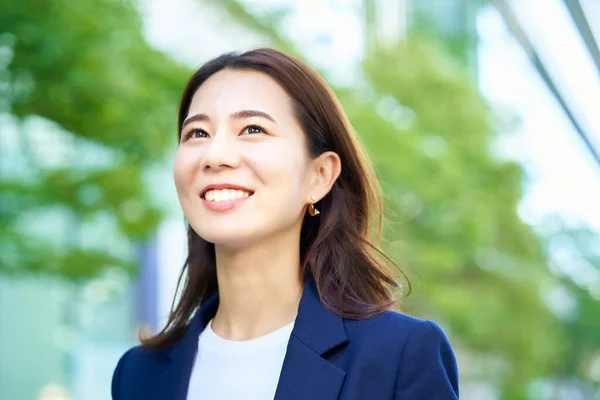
(228, 91)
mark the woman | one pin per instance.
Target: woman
(284, 295)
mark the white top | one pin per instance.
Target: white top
(233, 370)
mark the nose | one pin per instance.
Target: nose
(220, 153)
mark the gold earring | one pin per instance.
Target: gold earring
(311, 207)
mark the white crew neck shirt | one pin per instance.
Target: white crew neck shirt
(232, 370)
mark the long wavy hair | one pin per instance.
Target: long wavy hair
(339, 248)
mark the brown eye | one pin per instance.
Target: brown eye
(199, 133)
(252, 130)
(195, 134)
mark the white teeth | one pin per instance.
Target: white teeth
(225, 194)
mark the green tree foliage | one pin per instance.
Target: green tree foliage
(84, 70)
(575, 252)
(481, 266)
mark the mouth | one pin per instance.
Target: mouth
(225, 193)
(216, 195)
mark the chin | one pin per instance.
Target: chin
(228, 237)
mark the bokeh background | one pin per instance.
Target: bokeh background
(482, 118)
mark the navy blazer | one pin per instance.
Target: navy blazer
(390, 356)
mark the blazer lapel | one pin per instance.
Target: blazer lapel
(174, 382)
(305, 373)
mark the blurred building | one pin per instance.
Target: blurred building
(388, 22)
(55, 334)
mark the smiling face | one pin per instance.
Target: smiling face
(242, 169)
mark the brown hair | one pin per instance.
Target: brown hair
(335, 247)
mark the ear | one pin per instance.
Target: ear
(325, 169)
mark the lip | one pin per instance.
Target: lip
(227, 204)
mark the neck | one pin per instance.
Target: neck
(259, 288)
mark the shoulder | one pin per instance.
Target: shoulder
(136, 365)
(418, 349)
(394, 328)
(137, 355)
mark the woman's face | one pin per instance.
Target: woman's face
(242, 169)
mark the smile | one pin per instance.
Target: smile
(225, 194)
(224, 197)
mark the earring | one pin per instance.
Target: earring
(311, 207)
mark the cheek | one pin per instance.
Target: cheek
(184, 164)
(281, 169)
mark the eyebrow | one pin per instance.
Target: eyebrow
(242, 114)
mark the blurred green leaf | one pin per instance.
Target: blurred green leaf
(85, 67)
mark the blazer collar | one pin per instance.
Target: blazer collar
(199, 322)
(174, 382)
(305, 373)
(315, 326)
